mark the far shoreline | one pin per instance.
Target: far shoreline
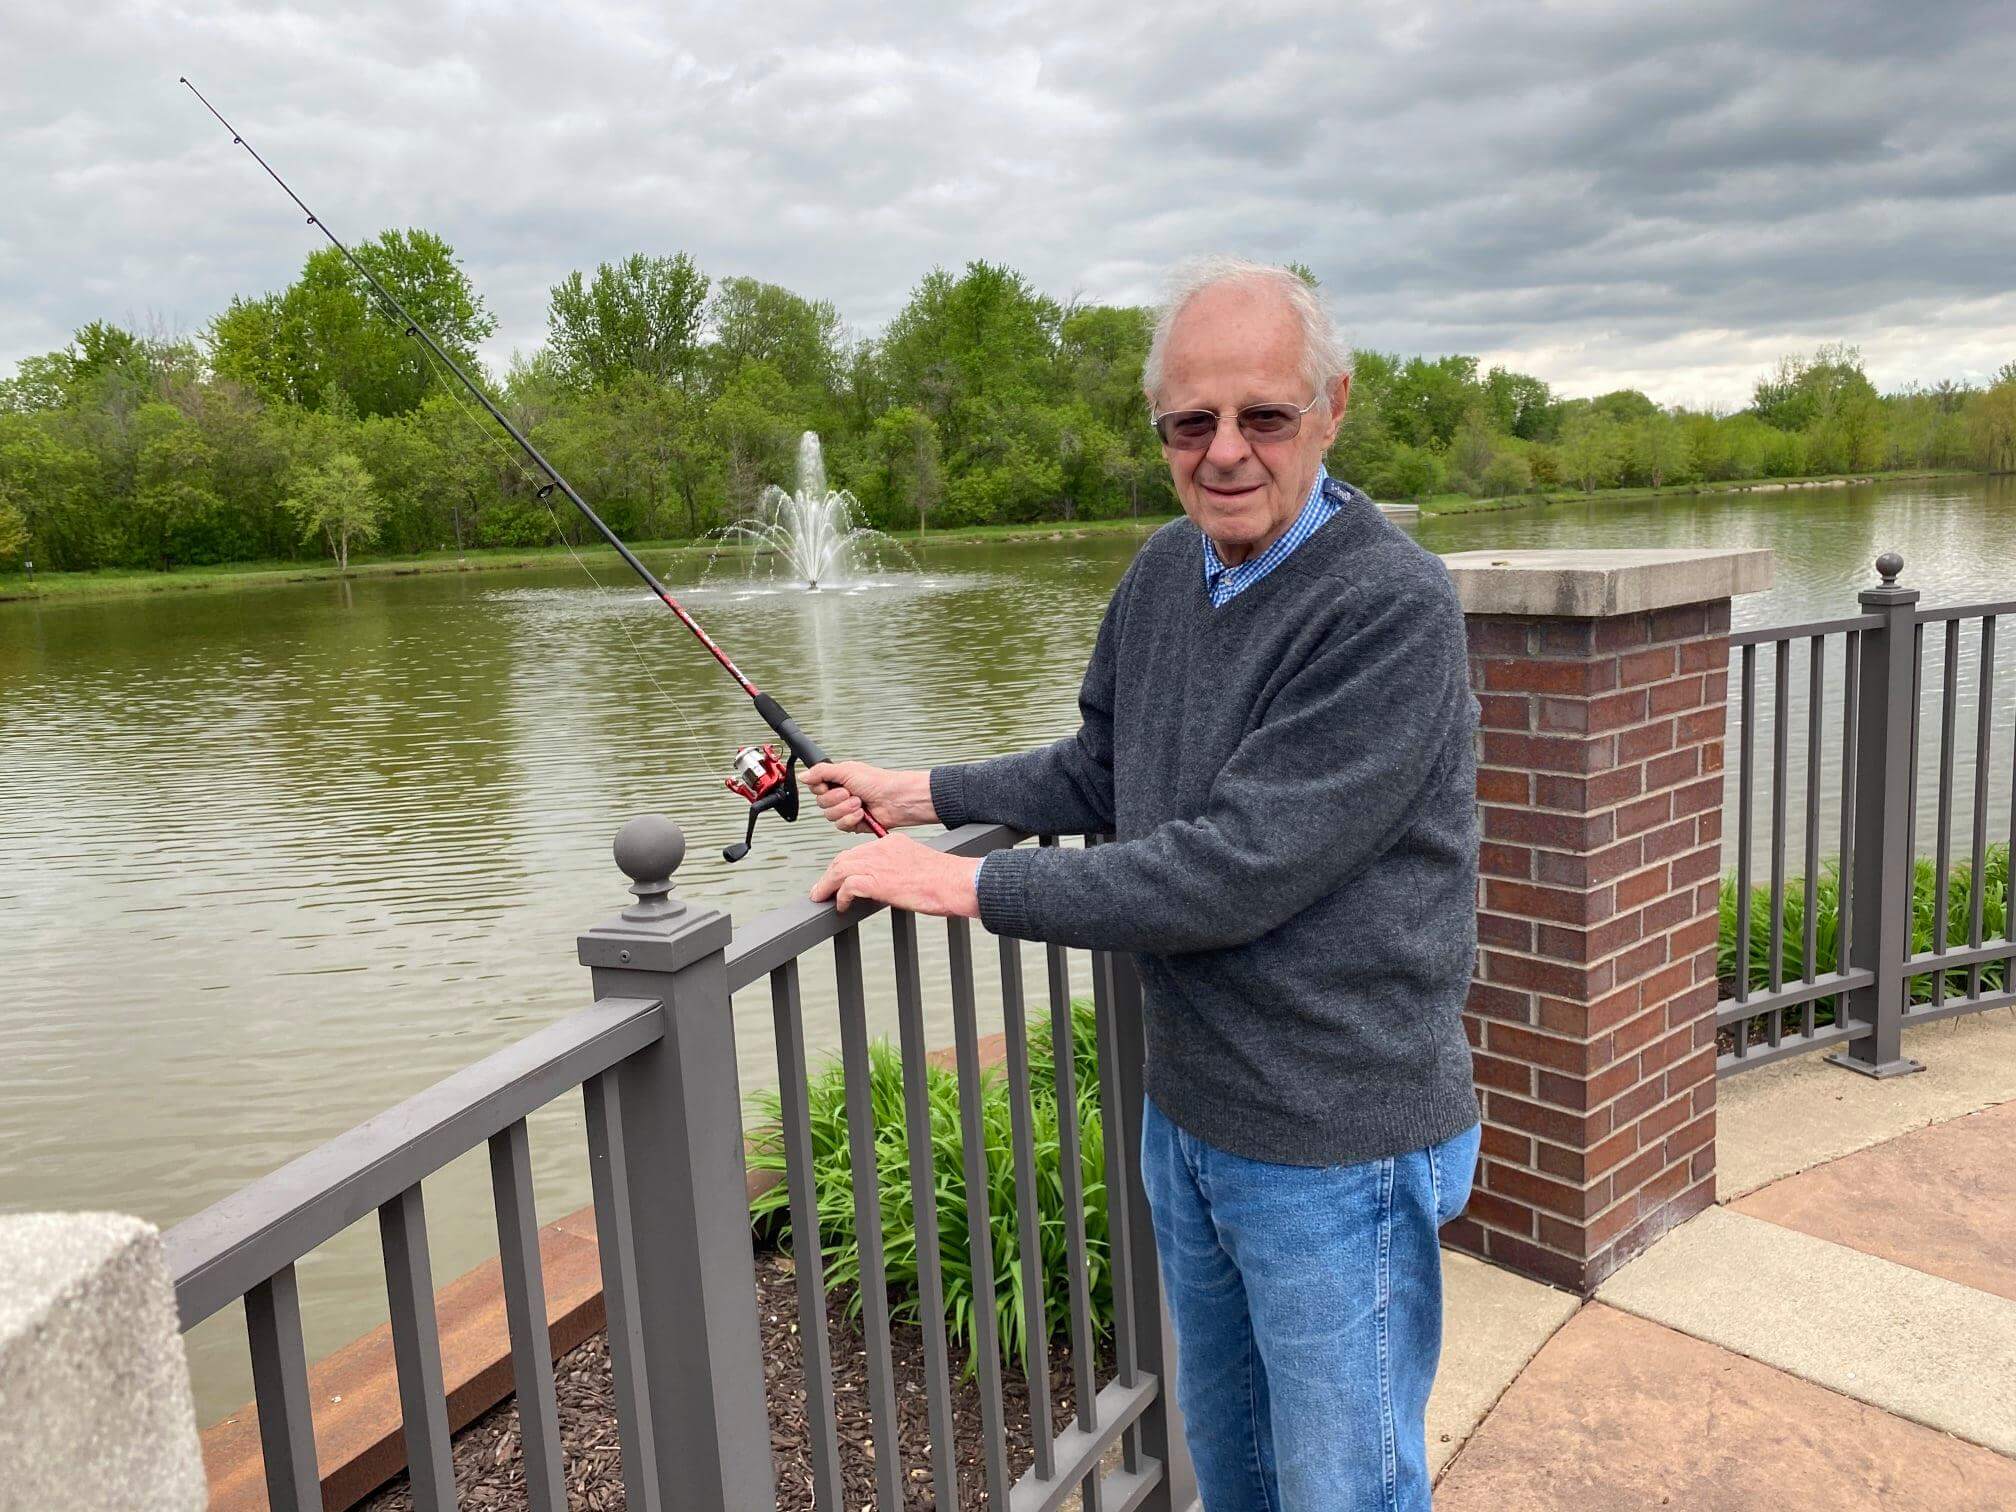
(80, 587)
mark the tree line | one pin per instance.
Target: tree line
(306, 422)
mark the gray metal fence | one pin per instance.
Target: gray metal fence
(655, 1058)
(1869, 939)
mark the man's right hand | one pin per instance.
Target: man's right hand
(843, 788)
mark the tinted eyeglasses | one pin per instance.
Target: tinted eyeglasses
(1195, 429)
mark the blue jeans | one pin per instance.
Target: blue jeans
(1307, 1304)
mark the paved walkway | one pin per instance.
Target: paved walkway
(1840, 1332)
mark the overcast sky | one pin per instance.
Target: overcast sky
(1666, 196)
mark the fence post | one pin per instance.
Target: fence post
(1880, 918)
(1162, 1424)
(680, 1119)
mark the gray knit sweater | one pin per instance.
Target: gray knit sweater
(1291, 783)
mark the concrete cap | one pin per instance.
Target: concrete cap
(1592, 584)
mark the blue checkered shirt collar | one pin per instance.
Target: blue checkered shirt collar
(1223, 584)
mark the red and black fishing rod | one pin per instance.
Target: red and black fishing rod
(765, 782)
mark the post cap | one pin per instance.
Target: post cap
(648, 850)
(1889, 565)
(1590, 583)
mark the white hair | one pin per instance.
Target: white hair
(1326, 356)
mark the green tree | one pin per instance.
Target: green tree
(1992, 419)
(1590, 451)
(1658, 449)
(906, 444)
(337, 501)
(640, 315)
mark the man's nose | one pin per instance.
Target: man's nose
(1228, 446)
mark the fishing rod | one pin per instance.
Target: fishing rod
(767, 784)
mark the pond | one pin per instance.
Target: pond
(272, 860)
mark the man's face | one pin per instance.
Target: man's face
(1235, 345)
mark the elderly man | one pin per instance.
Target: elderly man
(1277, 729)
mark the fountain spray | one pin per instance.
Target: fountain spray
(766, 783)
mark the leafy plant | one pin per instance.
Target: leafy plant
(833, 1187)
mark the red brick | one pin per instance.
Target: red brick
(1569, 832)
(1702, 1164)
(1495, 635)
(1700, 655)
(1646, 740)
(1648, 666)
(1711, 755)
(1588, 1020)
(1614, 711)
(1673, 697)
(1566, 1271)
(1581, 794)
(1637, 1102)
(1501, 930)
(1492, 1002)
(1691, 1138)
(1695, 936)
(1555, 904)
(1505, 1075)
(1640, 888)
(1500, 785)
(1554, 1196)
(1488, 1207)
(1536, 675)
(1693, 868)
(1636, 818)
(1697, 797)
(1506, 1144)
(1544, 753)
(1537, 1049)
(1638, 1170)
(1668, 1048)
(1663, 986)
(1708, 825)
(1700, 725)
(1560, 979)
(1498, 860)
(1568, 943)
(1662, 1188)
(1635, 1034)
(1617, 1077)
(1565, 715)
(1715, 687)
(1649, 955)
(1662, 914)
(1674, 766)
(1680, 621)
(1577, 1129)
(1605, 1227)
(1663, 1120)
(1671, 839)
(1464, 1234)
(1696, 1070)
(1718, 616)
(1623, 632)
(1473, 1030)
(1504, 711)
(1570, 869)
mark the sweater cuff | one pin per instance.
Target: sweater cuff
(1002, 884)
(948, 795)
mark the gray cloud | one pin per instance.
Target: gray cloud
(1651, 193)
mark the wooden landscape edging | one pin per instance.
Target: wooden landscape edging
(354, 1392)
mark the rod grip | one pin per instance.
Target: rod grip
(803, 746)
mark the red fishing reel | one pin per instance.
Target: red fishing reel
(767, 784)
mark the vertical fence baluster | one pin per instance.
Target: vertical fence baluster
(1844, 913)
(416, 1349)
(1917, 758)
(1781, 779)
(1071, 1175)
(1035, 1318)
(525, 1313)
(924, 1206)
(1949, 698)
(1113, 1122)
(1746, 779)
(874, 1293)
(280, 1386)
(1984, 761)
(1816, 694)
(794, 1130)
(609, 1176)
(979, 1219)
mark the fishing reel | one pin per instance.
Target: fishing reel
(766, 784)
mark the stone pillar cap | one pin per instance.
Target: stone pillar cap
(1596, 584)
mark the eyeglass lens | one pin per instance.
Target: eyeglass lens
(1193, 430)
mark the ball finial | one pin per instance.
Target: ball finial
(648, 850)
(1889, 565)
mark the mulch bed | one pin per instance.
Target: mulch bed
(489, 1472)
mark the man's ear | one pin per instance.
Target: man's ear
(1340, 395)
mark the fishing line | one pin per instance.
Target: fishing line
(765, 782)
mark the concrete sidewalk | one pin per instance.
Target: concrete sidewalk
(1840, 1333)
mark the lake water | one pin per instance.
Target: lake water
(272, 860)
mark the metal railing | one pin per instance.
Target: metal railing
(1855, 993)
(655, 1058)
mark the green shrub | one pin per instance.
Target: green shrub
(1826, 926)
(833, 1185)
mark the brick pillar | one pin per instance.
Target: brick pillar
(1603, 680)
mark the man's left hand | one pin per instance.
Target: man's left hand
(903, 873)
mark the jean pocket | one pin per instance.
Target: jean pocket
(1454, 1164)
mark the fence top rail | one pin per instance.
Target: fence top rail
(1769, 634)
(1965, 611)
(783, 934)
(231, 1246)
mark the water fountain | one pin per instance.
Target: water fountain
(810, 535)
